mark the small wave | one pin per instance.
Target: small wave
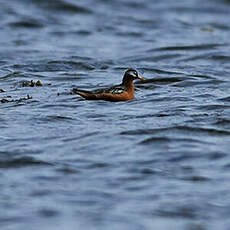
(224, 99)
(223, 122)
(130, 34)
(48, 212)
(54, 118)
(150, 58)
(73, 64)
(213, 107)
(179, 130)
(13, 75)
(185, 211)
(161, 71)
(188, 83)
(190, 47)
(164, 80)
(200, 131)
(222, 58)
(30, 24)
(196, 178)
(53, 66)
(61, 6)
(153, 140)
(21, 162)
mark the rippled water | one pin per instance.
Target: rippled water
(158, 162)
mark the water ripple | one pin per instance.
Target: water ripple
(180, 129)
(22, 162)
(159, 161)
(61, 6)
(192, 47)
(27, 23)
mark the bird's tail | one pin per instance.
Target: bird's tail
(77, 91)
(83, 93)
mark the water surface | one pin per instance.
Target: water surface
(158, 162)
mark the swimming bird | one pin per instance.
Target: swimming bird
(122, 92)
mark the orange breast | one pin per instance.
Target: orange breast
(115, 97)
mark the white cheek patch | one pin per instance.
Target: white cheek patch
(132, 74)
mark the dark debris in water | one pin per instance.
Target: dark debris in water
(205, 29)
(31, 83)
(4, 100)
(2, 91)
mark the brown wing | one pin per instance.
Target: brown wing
(118, 89)
(116, 93)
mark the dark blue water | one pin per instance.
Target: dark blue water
(158, 162)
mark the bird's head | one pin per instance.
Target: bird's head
(130, 75)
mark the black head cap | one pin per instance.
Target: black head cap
(130, 75)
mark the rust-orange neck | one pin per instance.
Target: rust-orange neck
(128, 83)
